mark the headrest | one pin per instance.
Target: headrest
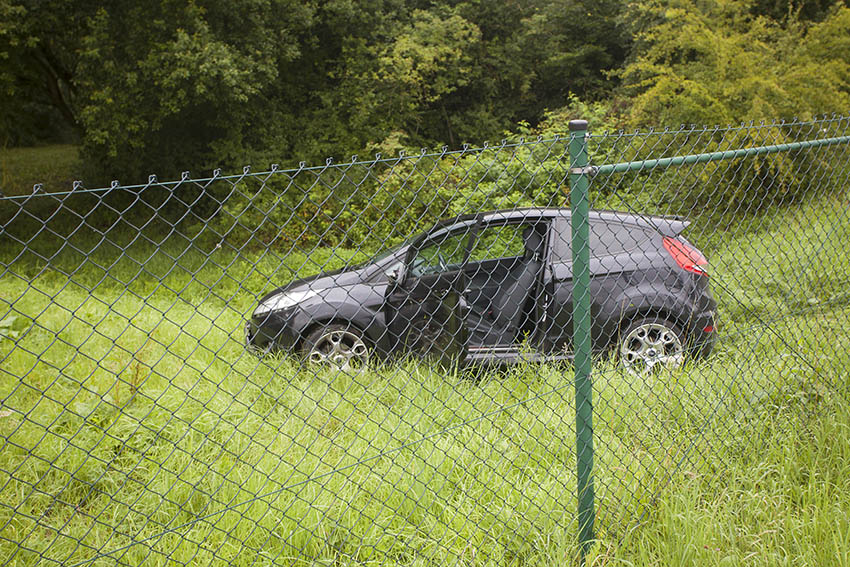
(532, 239)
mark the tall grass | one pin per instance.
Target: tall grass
(136, 428)
(784, 501)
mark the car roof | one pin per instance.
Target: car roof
(666, 225)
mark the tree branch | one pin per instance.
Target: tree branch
(56, 77)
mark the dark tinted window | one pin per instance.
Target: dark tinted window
(606, 239)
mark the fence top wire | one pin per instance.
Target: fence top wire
(663, 163)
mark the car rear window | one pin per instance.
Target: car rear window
(606, 239)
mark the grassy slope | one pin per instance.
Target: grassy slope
(784, 503)
(129, 413)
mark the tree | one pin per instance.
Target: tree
(161, 86)
(712, 62)
(38, 94)
(154, 86)
(430, 59)
(578, 45)
(188, 85)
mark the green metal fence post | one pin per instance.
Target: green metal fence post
(579, 203)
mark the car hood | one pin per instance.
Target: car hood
(325, 280)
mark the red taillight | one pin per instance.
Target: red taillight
(688, 257)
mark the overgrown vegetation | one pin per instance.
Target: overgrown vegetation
(784, 504)
(163, 88)
(137, 424)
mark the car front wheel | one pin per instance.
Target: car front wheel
(336, 346)
(649, 344)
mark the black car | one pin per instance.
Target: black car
(498, 287)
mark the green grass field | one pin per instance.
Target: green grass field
(137, 429)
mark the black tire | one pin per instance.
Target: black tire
(648, 343)
(337, 346)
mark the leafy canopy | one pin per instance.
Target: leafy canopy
(713, 62)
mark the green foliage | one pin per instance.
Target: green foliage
(349, 206)
(803, 10)
(714, 63)
(579, 43)
(205, 85)
(420, 59)
(726, 190)
(161, 87)
(37, 43)
(186, 84)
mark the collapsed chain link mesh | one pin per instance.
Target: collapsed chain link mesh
(369, 363)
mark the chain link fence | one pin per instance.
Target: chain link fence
(372, 362)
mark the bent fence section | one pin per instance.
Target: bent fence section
(441, 358)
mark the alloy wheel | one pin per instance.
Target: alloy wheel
(338, 348)
(651, 345)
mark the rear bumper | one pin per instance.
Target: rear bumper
(702, 332)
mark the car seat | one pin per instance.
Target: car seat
(507, 307)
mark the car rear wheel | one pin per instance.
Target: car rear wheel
(336, 346)
(649, 344)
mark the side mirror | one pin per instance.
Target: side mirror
(393, 274)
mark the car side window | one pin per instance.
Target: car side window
(609, 239)
(443, 255)
(606, 239)
(502, 241)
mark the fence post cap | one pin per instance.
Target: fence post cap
(576, 125)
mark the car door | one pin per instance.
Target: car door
(558, 290)
(425, 309)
